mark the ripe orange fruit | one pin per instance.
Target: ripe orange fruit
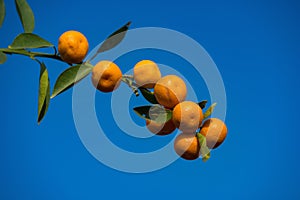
(187, 146)
(106, 76)
(215, 132)
(160, 129)
(72, 46)
(187, 116)
(170, 90)
(146, 73)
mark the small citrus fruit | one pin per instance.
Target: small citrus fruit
(160, 128)
(187, 116)
(146, 73)
(215, 132)
(106, 76)
(170, 90)
(187, 146)
(72, 46)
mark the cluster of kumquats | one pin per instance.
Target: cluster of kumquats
(170, 92)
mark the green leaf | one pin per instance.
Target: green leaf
(155, 113)
(209, 110)
(26, 15)
(148, 95)
(29, 40)
(113, 39)
(202, 104)
(204, 150)
(44, 93)
(2, 12)
(71, 76)
(2, 57)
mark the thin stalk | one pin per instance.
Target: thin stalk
(128, 79)
(30, 54)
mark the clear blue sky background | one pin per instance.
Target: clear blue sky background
(255, 45)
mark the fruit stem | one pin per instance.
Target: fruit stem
(128, 79)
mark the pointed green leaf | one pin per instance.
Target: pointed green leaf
(29, 40)
(2, 12)
(148, 95)
(155, 113)
(204, 150)
(142, 111)
(160, 114)
(209, 110)
(44, 93)
(2, 57)
(202, 104)
(113, 39)
(71, 76)
(26, 15)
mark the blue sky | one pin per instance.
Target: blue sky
(255, 45)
